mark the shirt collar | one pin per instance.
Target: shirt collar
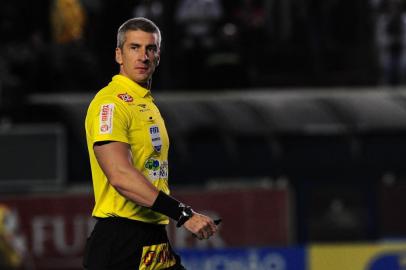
(132, 86)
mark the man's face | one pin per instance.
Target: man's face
(139, 56)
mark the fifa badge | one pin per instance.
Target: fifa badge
(155, 138)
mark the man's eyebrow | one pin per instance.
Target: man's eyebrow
(148, 45)
(134, 44)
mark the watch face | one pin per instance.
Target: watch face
(187, 212)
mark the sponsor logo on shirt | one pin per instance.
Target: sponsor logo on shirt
(106, 118)
(143, 107)
(126, 97)
(163, 171)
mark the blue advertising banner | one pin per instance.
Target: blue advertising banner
(244, 259)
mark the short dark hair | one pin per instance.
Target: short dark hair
(138, 23)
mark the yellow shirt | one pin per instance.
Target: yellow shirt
(124, 111)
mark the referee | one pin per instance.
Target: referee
(128, 148)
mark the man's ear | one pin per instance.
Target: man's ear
(158, 59)
(119, 57)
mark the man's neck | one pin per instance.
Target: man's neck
(146, 85)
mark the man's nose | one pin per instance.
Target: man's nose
(143, 56)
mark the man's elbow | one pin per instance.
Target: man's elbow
(114, 181)
(117, 179)
(118, 176)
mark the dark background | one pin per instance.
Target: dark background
(304, 93)
(208, 45)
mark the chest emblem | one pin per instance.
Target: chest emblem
(155, 137)
(126, 97)
(156, 169)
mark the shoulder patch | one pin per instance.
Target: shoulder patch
(106, 118)
(126, 97)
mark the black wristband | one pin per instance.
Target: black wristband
(168, 206)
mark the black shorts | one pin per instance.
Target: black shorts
(119, 243)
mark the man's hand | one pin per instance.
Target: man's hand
(200, 225)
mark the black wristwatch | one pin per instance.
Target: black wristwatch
(187, 213)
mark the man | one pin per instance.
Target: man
(12, 245)
(128, 147)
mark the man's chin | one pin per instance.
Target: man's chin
(141, 80)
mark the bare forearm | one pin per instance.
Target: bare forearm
(134, 186)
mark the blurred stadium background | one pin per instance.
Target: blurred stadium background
(287, 119)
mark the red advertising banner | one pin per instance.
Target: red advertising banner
(253, 217)
(53, 228)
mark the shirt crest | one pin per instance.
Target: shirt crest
(126, 97)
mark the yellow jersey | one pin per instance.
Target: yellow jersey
(124, 111)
